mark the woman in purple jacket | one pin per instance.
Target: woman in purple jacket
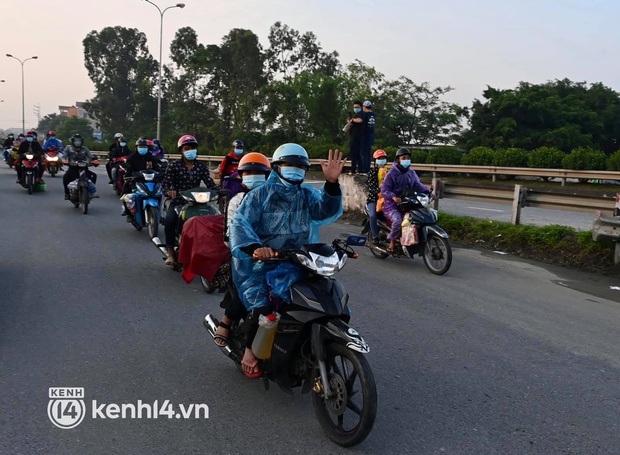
(401, 179)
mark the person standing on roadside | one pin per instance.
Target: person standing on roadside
(356, 138)
(369, 135)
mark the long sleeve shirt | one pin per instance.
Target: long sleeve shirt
(179, 177)
(397, 182)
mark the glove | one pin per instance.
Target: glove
(96, 162)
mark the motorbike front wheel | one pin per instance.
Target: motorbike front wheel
(151, 220)
(84, 199)
(30, 183)
(437, 254)
(349, 415)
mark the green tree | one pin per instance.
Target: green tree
(71, 125)
(561, 113)
(124, 75)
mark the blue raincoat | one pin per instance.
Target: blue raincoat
(280, 217)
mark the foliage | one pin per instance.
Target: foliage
(584, 158)
(444, 155)
(417, 156)
(479, 156)
(561, 113)
(511, 157)
(124, 75)
(546, 158)
(613, 162)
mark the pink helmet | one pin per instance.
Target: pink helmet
(186, 139)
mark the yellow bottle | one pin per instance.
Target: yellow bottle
(263, 341)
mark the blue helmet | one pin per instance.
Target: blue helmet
(292, 154)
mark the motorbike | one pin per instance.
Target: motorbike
(82, 189)
(30, 171)
(146, 200)
(315, 348)
(431, 241)
(52, 161)
(10, 156)
(118, 174)
(198, 201)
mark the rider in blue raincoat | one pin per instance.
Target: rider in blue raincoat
(280, 214)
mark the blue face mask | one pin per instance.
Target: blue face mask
(143, 150)
(238, 151)
(381, 162)
(405, 163)
(30, 139)
(190, 154)
(357, 110)
(292, 173)
(253, 181)
(123, 144)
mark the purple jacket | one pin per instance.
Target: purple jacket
(396, 182)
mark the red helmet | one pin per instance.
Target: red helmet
(379, 154)
(52, 133)
(185, 140)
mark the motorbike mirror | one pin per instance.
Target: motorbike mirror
(356, 240)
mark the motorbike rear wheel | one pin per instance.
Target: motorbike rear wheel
(206, 285)
(84, 199)
(347, 417)
(437, 254)
(150, 215)
(376, 252)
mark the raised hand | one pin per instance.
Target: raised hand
(332, 167)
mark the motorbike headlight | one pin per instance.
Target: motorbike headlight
(326, 265)
(29, 156)
(305, 261)
(202, 197)
(148, 177)
(51, 158)
(424, 200)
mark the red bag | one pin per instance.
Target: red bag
(202, 250)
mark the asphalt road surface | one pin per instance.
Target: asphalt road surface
(498, 356)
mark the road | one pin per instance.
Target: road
(498, 356)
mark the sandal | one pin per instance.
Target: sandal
(251, 370)
(222, 338)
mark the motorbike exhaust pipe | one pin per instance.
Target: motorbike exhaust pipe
(211, 327)
(160, 246)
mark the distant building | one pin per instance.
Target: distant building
(78, 110)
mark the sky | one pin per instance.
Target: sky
(463, 44)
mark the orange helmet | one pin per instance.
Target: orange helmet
(379, 154)
(254, 161)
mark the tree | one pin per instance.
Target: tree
(124, 75)
(49, 123)
(415, 114)
(71, 125)
(561, 113)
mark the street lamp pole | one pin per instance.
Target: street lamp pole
(23, 98)
(161, 37)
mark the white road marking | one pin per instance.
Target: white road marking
(489, 210)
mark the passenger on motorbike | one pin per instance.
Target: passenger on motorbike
(74, 153)
(30, 145)
(117, 150)
(254, 168)
(158, 150)
(53, 141)
(182, 175)
(7, 145)
(140, 160)
(376, 175)
(231, 161)
(278, 215)
(400, 180)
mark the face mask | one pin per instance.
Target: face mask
(30, 139)
(357, 110)
(123, 144)
(77, 143)
(142, 150)
(238, 151)
(405, 163)
(190, 154)
(293, 173)
(253, 181)
(381, 162)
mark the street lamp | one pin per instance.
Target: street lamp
(161, 32)
(23, 111)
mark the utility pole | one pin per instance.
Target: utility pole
(37, 112)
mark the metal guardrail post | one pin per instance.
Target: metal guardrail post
(617, 208)
(517, 203)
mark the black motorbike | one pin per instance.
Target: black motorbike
(82, 189)
(432, 241)
(315, 348)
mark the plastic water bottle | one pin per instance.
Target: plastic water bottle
(263, 342)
